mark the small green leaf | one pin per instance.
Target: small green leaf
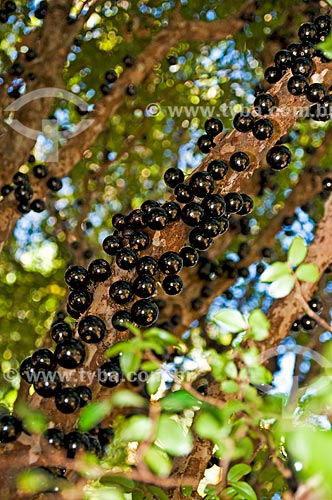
(34, 420)
(136, 428)
(259, 325)
(120, 347)
(179, 400)
(158, 461)
(232, 318)
(274, 272)
(245, 490)
(157, 333)
(153, 382)
(282, 287)
(207, 426)
(157, 493)
(229, 386)
(237, 471)
(35, 481)
(105, 493)
(307, 272)
(93, 414)
(259, 375)
(127, 485)
(172, 437)
(297, 252)
(125, 397)
(149, 366)
(230, 492)
(130, 363)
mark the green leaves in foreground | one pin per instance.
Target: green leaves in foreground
(257, 325)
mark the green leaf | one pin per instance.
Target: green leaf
(127, 485)
(245, 490)
(93, 414)
(307, 272)
(153, 382)
(230, 492)
(172, 437)
(237, 471)
(259, 325)
(166, 337)
(149, 366)
(35, 481)
(130, 363)
(297, 252)
(136, 428)
(179, 400)
(125, 397)
(34, 420)
(229, 386)
(105, 493)
(158, 461)
(120, 347)
(259, 375)
(232, 318)
(282, 287)
(157, 493)
(274, 272)
(207, 426)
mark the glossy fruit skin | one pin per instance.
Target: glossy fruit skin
(112, 244)
(205, 143)
(40, 171)
(55, 437)
(234, 203)
(99, 270)
(183, 193)
(131, 90)
(144, 312)
(283, 59)
(239, 161)
(263, 129)
(121, 292)
(149, 204)
(302, 66)
(224, 225)
(23, 192)
(214, 206)
(189, 256)
(144, 286)
(157, 218)
(43, 359)
(67, 400)
(170, 263)
(136, 219)
(243, 122)
(47, 384)
(327, 184)
(248, 204)
(27, 370)
(316, 305)
(85, 395)
(147, 265)
(79, 300)
(211, 228)
(6, 189)
(217, 169)
(173, 211)
(201, 184)
(129, 61)
(118, 221)
(172, 284)
(118, 320)
(111, 76)
(70, 353)
(199, 240)
(20, 179)
(298, 85)
(61, 331)
(109, 374)
(91, 329)
(77, 277)
(213, 127)
(278, 157)
(38, 206)
(264, 104)
(10, 428)
(323, 23)
(126, 259)
(273, 74)
(75, 442)
(192, 214)
(54, 184)
(173, 176)
(139, 241)
(307, 32)
(95, 446)
(316, 92)
(308, 323)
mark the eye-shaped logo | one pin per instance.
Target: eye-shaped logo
(49, 127)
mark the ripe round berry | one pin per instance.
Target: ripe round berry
(308, 33)
(170, 263)
(173, 176)
(316, 92)
(149, 204)
(38, 206)
(224, 225)
(20, 179)
(157, 218)
(139, 241)
(91, 329)
(308, 323)
(112, 244)
(264, 104)
(306, 49)
(234, 203)
(239, 161)
(147, 265)
(243, 122)
(327, 184)
(10, 6)
(136, 219)
(298, 85)
(131, 90)
(67, 400)
(27, 370)
(213, 127)
(172, 284)
(189, 256)
(129, 61)
(23, 192)
(109, 374)
(47, 384)
(75, 442)
(70, 353)
(99, 270)
(211, 227)
(217, 169)
(316, 305)
(43, 359)
(77, 277)
(144, 312)
(201, 184)
(214, 206)
(283, 59)
(205, 143)
(323, 23)
(173, 211)
(6, 189)
(302, 66)
(199, 240)
(263, 129)
(278, 157)
(121, 292)
(126, 259)
(10, 428)
(85, 395)
(144, 286)
(54, 184)
(248, 204)
(61, 331)
(55, 437)
(24, 207)
(273, 74)
(110, 76)
(40, 171)
(79, 300)
(192, 214)
(118, 221)
(183, 193)
(119, 319)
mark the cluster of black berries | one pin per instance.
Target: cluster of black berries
(23, 191)
(8, 9)
(306, 322)
(111, 76)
